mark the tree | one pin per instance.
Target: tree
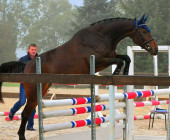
(16, 17)
(90, 12)
(51, 28)
(158, 22)
(8, 33)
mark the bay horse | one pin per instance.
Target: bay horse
(73, 57)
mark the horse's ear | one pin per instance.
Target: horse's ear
(145, 19)
(141, 20)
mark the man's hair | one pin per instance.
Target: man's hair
(33, 45)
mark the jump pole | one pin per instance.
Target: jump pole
(39, 98)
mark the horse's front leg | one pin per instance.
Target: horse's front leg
(127, 60)
(104, 63)
(26, 113)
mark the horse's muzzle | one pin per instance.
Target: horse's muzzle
(154, 51)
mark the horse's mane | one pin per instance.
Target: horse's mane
(109, 20)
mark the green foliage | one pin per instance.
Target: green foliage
(158, 22)
(8, 33)
(51, 29)
(92, 11)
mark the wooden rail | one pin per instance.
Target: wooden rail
(86, 79)
(57, 96)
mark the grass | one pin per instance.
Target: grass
(6, 84)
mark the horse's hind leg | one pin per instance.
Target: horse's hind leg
(26, 113)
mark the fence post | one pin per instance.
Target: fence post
(93, 100)
(130, 115)
(168, 126)
(112, 90)
(125, 129)
(39, 98)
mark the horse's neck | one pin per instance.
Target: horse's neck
(117, 31)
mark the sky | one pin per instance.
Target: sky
(76, 2)
(21, 52)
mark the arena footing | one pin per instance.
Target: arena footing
(141, 137)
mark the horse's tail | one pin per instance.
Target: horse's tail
(10, 67)
(1, 99)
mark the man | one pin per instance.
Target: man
(32, 53)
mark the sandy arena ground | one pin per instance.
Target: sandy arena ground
(8, 129)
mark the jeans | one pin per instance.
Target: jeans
(20, 103)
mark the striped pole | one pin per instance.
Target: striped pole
(142, 117)
(150, 103)
(74, 111)
(6, 113)
(87, 109)
(79, 123)
(134, 95)
(36, 117)
(105, 97)
(19, 117)
(64, 102)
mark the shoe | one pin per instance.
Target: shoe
(31, 129)
(11, 116)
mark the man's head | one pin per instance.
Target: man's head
(32, 50)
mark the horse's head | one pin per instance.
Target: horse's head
(142, 36)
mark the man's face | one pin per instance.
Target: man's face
(32, 50)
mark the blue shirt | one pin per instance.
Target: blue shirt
(26, 58)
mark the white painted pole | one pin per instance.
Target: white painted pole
(112, 112)
(113, 69)
(155, 62)
(96, 86)
(130, 109)
(130, 115)
(130, 53)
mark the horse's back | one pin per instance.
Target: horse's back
(73, 57)
(65, 59)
